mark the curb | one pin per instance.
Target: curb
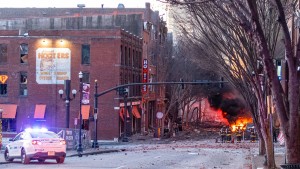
(83, 154)
(94, 153)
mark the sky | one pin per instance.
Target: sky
(73, 3)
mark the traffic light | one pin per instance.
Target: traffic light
(122, 91)
(182, 84)
(222, 84)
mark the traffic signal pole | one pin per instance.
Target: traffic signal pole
(121, 89)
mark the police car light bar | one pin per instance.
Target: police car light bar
(36, 129)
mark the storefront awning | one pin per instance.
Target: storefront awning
(122, 114)
(9, 111)
(85, 110)
(136, 112)
(39, 112)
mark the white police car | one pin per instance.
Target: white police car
(36, 144)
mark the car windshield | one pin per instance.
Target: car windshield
(43, 135)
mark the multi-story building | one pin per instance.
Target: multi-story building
(42, 47)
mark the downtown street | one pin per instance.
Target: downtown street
(153, 153)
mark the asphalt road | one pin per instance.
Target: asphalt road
(183, 155)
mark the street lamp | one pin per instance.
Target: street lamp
(95, 143)
(79, 149)
(67, 99)
(1, 110)
(125, 95)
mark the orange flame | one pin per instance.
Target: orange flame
(241, 123)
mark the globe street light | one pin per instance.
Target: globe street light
(79, 149)
(67, 99)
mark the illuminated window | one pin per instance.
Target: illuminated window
(23, 83)
(3, 86)
(3, 53)
(85, 54)
(24, 53)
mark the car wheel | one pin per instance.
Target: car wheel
(41, 160)
(6, 156)
(60, 160)
(24, 158)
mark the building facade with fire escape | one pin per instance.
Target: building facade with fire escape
(109, 45)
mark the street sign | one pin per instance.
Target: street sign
(75, 121)
(145, 75)
(3, 78)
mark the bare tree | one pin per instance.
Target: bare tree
(240, 48)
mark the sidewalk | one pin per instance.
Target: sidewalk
(73, 153)
(258, 161)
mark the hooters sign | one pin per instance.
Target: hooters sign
(145, 75)
(3, 78)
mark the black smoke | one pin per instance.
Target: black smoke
(232, 108)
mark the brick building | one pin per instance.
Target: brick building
(42, 47)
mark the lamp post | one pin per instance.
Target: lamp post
(67, 99)
(125, 138)
(79, 149)
(95, 143)
(1, 110)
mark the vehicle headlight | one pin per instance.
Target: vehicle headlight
(62, 142)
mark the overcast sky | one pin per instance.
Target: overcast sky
(73, 3)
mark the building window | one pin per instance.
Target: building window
(85, 77)
(129, 57)
(126, 56)
(3, 85)
(8, 125)
(3, 53)
(85, 55)
(122, 56)
(23, 83)
(24, 53)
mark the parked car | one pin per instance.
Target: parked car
(36, 144)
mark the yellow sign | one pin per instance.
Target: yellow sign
(3, 78)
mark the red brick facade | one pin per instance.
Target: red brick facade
(105, 66)
(110, 63)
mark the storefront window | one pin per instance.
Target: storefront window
(8, 125)
(3, 83)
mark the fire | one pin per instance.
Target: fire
(241, 123)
